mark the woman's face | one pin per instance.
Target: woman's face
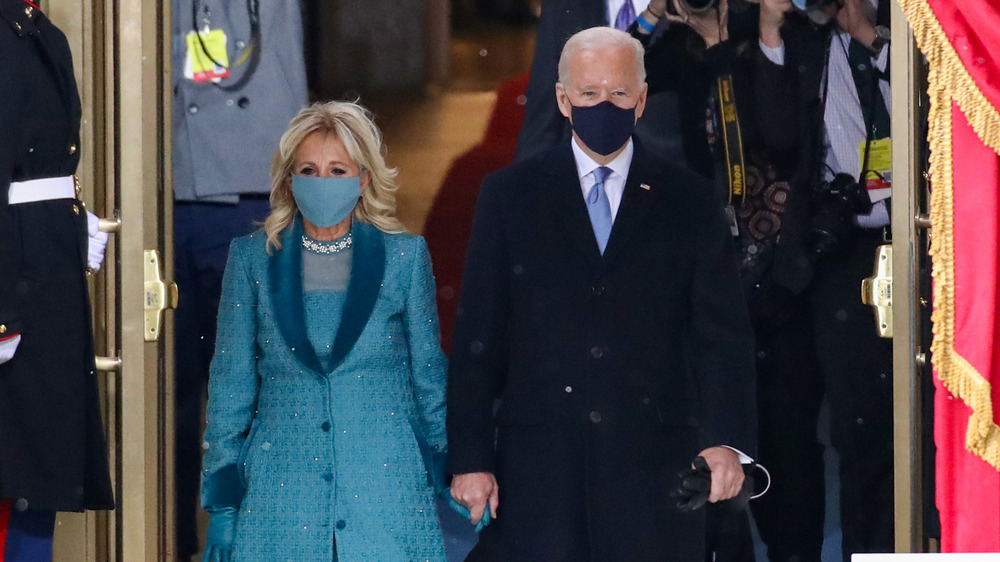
(323, 155)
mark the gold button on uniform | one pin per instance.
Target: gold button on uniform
(76, 210)
(3, 328)
(72, 149)
(17, 26)
(28, 11)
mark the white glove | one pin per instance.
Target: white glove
(97, 243)
(8, 347)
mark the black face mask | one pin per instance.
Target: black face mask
(604, 127)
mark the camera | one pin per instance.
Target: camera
(837, 202)
(692, 6)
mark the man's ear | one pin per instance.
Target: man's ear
(562, 99)
(641, 106)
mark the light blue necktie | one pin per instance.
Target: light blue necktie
(625, 17)
(599, 208)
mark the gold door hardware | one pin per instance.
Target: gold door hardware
(876, 291)
(109, 225)
(923, 221)
(108, 364)
(159, 294)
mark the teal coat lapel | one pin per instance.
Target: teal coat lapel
(367, 270)
(285, 271)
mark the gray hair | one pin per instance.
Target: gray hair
(597, 38)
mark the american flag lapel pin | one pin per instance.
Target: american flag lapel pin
(644, 186)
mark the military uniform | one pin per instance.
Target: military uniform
(53, 454)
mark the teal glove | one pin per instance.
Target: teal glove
(221, 535)
(464, 511)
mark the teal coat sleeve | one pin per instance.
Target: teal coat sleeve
(233, 383)
(428, 363)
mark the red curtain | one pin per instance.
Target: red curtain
(961, 40)
(968, 487)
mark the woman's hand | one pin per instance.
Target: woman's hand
(476, 491)
(772, 16)
(712, 25)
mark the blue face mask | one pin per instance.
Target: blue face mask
(326, 201)
(604, 127)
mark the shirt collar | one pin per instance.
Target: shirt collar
(585, 164)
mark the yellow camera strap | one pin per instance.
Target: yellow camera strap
(732, 138)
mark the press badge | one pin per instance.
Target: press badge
(209, 63)
(879, 174)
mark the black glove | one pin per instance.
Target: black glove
(696, 483)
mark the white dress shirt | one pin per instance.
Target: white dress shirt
(615, 6)
(614, 185)
(843, 119)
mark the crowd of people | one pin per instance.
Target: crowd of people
(635, 331)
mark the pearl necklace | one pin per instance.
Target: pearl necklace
(338, 245)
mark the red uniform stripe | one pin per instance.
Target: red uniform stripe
(5, 506)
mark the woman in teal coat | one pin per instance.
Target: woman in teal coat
(327, 390)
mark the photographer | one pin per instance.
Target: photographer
(708, 55)
(823, 93)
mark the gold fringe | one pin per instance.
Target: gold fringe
(984, 118)
(948, 80)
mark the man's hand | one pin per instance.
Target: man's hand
(772, 16)
(476, 491)
(853, 19)
(657, 8)
(712, 25)
(96, 244)
(727, 473)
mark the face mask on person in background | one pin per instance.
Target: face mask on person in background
(326, 201)
(604, 127)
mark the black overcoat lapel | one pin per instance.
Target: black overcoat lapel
(567, 205)
(637, 199)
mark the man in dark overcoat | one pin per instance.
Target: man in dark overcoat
(53, 454)
(602, 340)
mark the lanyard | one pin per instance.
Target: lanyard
(254, 49)
(732, 138)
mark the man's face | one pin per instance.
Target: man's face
(596, 76)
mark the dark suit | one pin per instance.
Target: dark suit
(52, 445)
(612, 372)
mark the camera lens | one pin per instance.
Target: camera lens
(693, 6)
(700, 5)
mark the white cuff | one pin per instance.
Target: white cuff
(744, 458)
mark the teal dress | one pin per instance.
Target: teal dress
(326, 407)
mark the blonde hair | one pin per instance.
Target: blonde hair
(354, 126)
(597, 39)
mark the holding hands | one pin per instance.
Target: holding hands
(477, 491)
